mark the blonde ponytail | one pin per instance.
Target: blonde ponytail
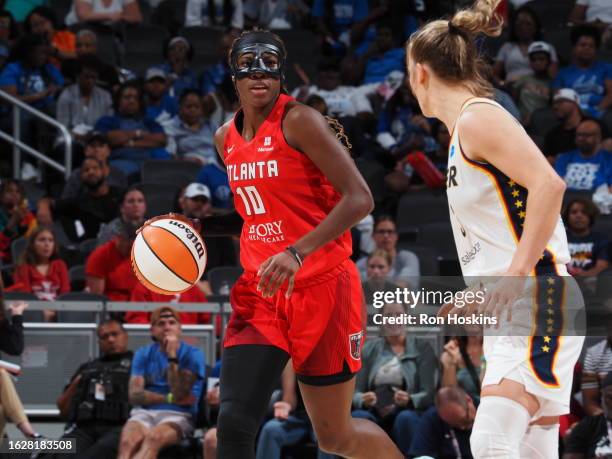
(480, 18)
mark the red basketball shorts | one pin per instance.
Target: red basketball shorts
(322, 325)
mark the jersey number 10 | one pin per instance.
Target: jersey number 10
(253, 205)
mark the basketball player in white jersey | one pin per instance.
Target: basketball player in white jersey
(504, 201)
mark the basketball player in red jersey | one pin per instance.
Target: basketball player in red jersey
(298, 193)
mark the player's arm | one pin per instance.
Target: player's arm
(509, 149)
(138, 396)
(308, 131)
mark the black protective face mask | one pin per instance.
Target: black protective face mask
(258, 64)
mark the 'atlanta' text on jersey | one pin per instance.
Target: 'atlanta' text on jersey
(252, 170)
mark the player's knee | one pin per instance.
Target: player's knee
(235, 424)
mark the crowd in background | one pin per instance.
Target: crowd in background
(73, 63)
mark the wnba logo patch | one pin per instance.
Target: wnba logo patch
(355, 341)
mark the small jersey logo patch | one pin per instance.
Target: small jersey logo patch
(355, 341)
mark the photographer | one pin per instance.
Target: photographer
(95, 402)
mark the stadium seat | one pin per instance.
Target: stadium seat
(374, 174)
(224, 276)
(570, 195)
(161, 197)
(205, 41)
(88, 246)
(302, 49)
(439, 235)
(607, 119)
(417, 209)
(77, 278)
(17, 248)
(28, 315)
(176, 172)
(559, 37)
(79, 316)
(428, 257)
(145, 39)
(170, 14)
(542, 121)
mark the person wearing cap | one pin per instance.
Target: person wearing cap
(132, 210)
(195, 201)
(159, 105)
(108, 269)
(589, 77)
(190, 135)
(96, 146)
(81, 104)
(592, 436)
(561, 138)
(533, 92)
(178, 53)
(165, 387)
(588, 166)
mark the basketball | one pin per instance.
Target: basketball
(168, 256)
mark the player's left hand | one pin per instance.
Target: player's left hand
(282, 410)
(401, 398)
(501, 296)
(274, 272)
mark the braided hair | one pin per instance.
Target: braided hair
(338, 130)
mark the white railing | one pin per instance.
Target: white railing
(19, 146)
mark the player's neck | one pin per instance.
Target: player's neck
(448, 103)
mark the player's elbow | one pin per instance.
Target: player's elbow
(364, 203)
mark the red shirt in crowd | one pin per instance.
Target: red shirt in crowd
(45, 286)
(143, 294)
(107, 263)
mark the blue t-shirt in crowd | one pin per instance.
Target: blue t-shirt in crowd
(186, 80)
(164, 111)
(151, 363)
(346, 12)
(213, 76)
(435, 438)
(377, 68)
(587, 250)
(590, 84)
(582, 173)
(31, 81)
(215, 178)
(121, 123)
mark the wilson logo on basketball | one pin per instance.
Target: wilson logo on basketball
(191, 236)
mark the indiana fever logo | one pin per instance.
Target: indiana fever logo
(195, 240)
(355, 341)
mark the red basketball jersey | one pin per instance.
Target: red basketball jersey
(281, 195)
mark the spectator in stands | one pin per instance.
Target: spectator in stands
(597, 364)
(11, 342)
(318, 103)
(16, 220)
(512, 60)
(142, 294)
(42, 20)
(40, 270)
(133, 137)
(165, 387)
(9, 31)
(589, 77)
(377, 280)
(20, 8)
(404, 264)
(132, 210)
(104, 12)
(81, 104)
(83, 215)
(444, 430)
(29, 77)
(566, 105)
(398, 378)
(590, 438)
(439, 156)
(210, 13)
(342, 100)
(382, 57)
(462, 364)
(276, 14)
(214, 176)
(589, 166)
(178, 53)
(588, 248)
(290, 424)
(160, 106)
(335, 20)
(533, 92)
(95, 401)
(214, 75)
(597, 13)
(96, 146)
(109, 270)
(87, 45)
(190, 135)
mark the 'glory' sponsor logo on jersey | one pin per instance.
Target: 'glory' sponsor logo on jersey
(252, 170)
(267, 232)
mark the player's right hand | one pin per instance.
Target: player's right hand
(368, 399)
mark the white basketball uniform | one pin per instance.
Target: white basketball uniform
(487, 209)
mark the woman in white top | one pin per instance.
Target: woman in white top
(104, 11)
(504, 203)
